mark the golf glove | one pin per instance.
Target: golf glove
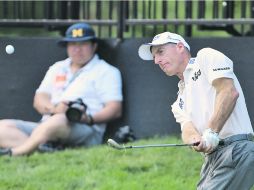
(180, 115)
(211, 138)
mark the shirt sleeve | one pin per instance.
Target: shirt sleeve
(47, 84)
(109, 88)
(215, 64)
(180, 115)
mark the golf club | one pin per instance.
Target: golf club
(115, 145)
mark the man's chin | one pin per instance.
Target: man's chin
(169, 74)
(79, 62)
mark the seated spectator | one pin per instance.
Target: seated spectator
(82, 77)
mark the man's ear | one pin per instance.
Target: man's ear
(180, 45)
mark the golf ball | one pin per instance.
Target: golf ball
(9, 49)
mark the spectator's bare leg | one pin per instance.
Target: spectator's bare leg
(56, 127)
(10, 136)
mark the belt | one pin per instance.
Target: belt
(240, 137)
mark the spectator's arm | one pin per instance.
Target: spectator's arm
(42, 103)
(112, 110)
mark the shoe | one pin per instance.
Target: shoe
(43, 148)
(5, 151)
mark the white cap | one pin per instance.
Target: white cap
(144, 50)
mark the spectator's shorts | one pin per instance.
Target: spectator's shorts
(81, 134)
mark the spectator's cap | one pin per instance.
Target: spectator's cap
(77, 33)
(144, 50)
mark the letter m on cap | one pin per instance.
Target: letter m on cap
(77, 33)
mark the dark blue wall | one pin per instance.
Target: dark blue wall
(148, 91)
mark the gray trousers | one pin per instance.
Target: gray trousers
(230, 167)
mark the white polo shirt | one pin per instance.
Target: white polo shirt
(198, 95)
(96, 83)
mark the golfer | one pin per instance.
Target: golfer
(210, 108)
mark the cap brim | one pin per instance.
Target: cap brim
(64, 41)
(144, 52)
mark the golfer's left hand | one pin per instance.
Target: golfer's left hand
(208, 142)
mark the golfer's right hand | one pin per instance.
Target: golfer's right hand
(202, 147)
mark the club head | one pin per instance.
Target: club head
(114, 144)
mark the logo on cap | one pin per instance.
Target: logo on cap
(156, 37)
(77, 33)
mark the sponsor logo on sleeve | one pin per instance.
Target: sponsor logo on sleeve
(181, 103)
(221, 69)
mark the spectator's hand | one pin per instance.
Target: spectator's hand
(88, 119)
(48, 109)
(61, 107)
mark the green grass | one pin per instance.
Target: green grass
(104, 168)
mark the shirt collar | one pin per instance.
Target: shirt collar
(90, 63)
(190, 64)
(189, 67)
